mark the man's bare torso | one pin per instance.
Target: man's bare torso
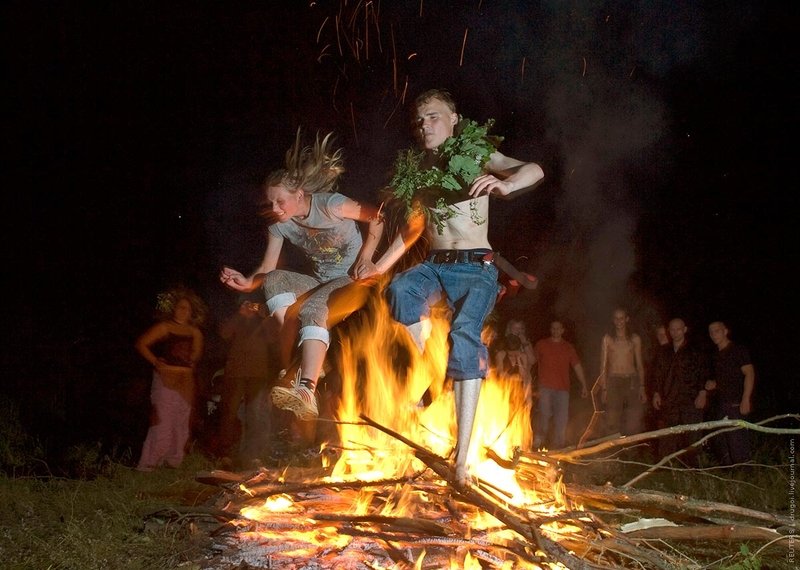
(468, 229)
(621, 355)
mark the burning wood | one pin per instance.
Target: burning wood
(392, 500)
(356, 524)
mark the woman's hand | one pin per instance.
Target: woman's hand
(235, 280)
(364, 269)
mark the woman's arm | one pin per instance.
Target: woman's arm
(404, 239)
(148, 339)
(197, 345)
(364, 267)
(237, 281)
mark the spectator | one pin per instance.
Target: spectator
(251, 366)
(679, 374)
(731, 390)
(555, 357)
(622, 379)
(173, 347)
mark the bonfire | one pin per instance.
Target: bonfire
(385, 495)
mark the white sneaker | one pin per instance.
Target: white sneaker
(297, 399)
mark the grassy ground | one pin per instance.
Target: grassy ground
(105, 515)
(103, 523)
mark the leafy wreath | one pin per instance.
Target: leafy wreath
(459, 160)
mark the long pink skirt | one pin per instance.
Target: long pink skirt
(169, 426)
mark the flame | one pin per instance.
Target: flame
(385, 377)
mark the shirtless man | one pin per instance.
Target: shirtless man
(622, 377)
(460, 264)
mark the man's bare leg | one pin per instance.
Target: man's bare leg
(466, 393)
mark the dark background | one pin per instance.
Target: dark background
(138, 133)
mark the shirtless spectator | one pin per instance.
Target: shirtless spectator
(622, 380)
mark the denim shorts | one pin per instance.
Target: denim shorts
(470, 290)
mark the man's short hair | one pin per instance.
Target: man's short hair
(442, 94)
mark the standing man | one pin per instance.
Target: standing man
(554, 357)
(622, 377)
(446, 189)
(251, 367)
(679, 374)
(731, 393)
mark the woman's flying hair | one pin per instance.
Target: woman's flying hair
(310, 168)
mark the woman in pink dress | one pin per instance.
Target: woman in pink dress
(172, 346)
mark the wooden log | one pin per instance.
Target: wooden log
(628, 440)
(612, 497)
(737, 533)
(404, 524)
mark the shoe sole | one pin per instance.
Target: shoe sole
(287, 399)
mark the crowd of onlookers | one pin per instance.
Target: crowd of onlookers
(678, 383)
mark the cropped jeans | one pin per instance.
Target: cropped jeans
(470, 290)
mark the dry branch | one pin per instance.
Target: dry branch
(611, 497)
(628, 440)
(707, 532)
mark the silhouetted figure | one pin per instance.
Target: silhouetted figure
(679, 373)
(731, 390)
(251, 368)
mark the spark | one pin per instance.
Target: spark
(632, 70)
(399, 102)
(583, 74)
(353, 119)
(463, 45)
(366, 29)
(319, 32)
(522, 79)
(322, 53)
(420, 8)
(411, 56)
(338, 38)
(333, 98)
(394, 61)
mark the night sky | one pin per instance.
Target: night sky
(141, 131)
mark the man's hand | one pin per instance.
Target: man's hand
(529, 282)
(745, 407)
(489, 184)
(657, 401)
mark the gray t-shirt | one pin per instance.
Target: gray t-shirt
(330, 241)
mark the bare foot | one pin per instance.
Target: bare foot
(463, 478)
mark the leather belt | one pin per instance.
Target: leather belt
(461, 256)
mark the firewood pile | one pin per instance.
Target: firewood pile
(301, 519)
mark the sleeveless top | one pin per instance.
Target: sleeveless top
(176, 350)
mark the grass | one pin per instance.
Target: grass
(103, 523)
(105, 515)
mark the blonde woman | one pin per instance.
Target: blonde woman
(323, 224)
